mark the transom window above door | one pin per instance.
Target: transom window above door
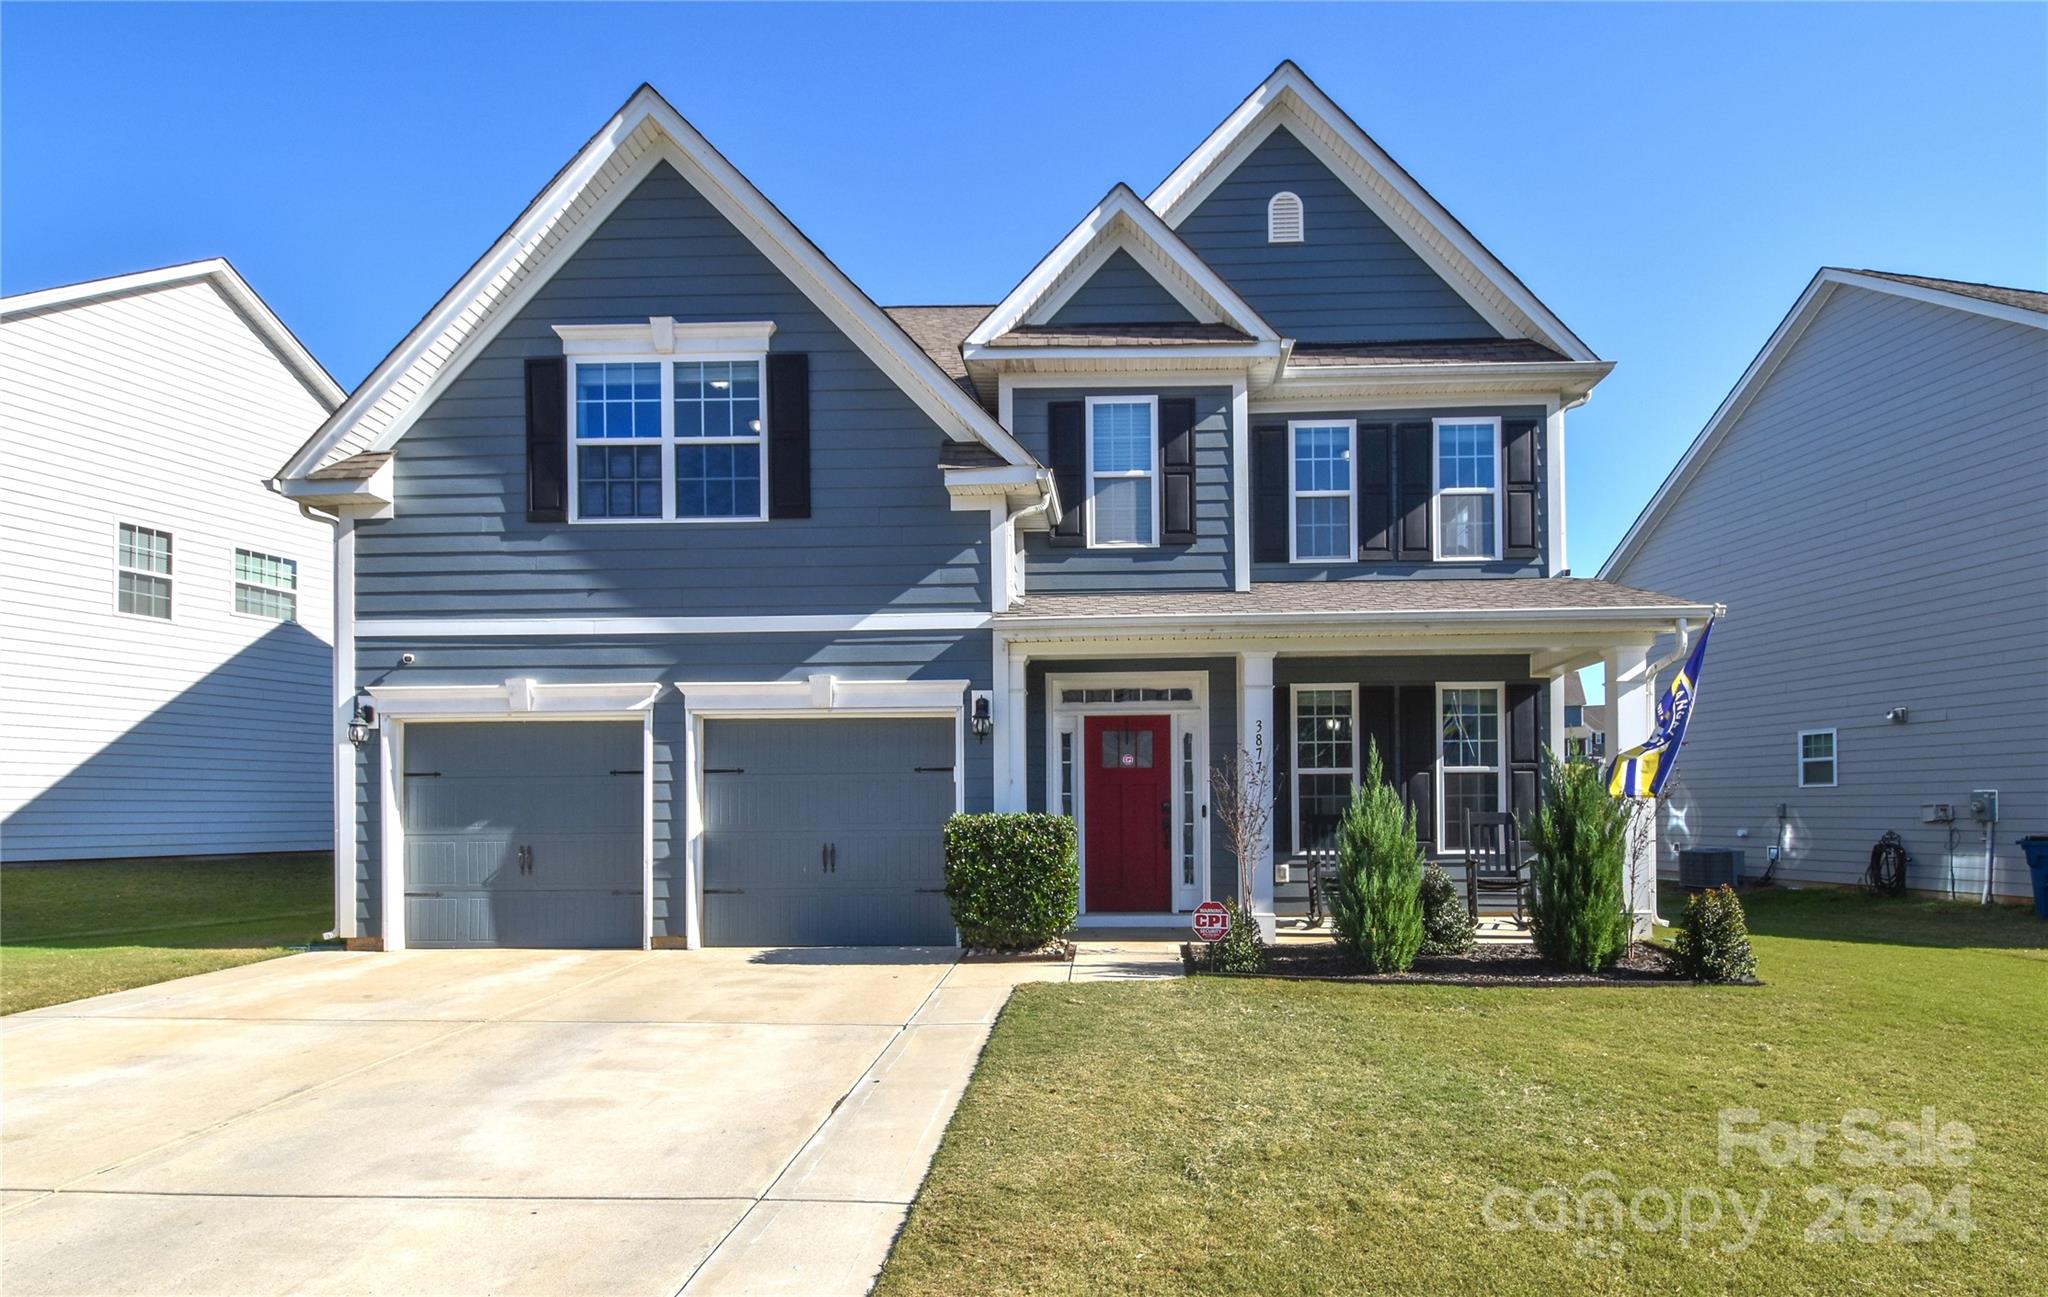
(656, 440)
(1322, 483)
(1123, 478)
(1467, 489)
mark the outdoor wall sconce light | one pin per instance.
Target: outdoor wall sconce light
(1896, 716)
(360, 724)
(979, 720)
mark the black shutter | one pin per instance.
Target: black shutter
(1376, 721)
(1375, 491)
(1412, 451)
(1420, 735)
(1518, 448)
(547, 439)
(1269, 494)
(1525, 747)
(789, 435)
(1282, 762)
(1066, 442)
(1177, 471)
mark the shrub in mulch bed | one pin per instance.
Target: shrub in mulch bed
(1640, 964)
(1055, 952)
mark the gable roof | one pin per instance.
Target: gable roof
(1288, 97)
(223, 277)
(2014, 305)
(646, 131)
(1120, 221)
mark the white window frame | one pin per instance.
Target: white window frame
(661, 341)
(1295, 769)
(1437, 490)
(1349, 494)
(1151, 402)
(292, 592)
(1500, 747)
(1273, 233)
(1834, 758)
(168, 576)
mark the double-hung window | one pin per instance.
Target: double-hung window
(1322, 482)
(142, 580)
(668, 439)
(1469, 764)
(266, 586)
(1123, 479)
(1816, 758)
(1325, 760)
(1467, 489)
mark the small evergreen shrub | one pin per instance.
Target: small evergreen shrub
(1014, 880)
(1376, 902)
(1447, 927)
(1241, 950)
(1580, 918)
(1713, 938)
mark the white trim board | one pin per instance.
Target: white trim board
(647, 130)
(1804, 311)
(1381, 183)
(538, 627)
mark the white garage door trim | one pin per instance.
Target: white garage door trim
(817, 696)
(518, 700)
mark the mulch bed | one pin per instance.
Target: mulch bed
(1500, 964)
(1057, 952)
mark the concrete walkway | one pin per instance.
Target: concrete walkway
(547, 1122)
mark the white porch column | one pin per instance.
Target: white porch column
(1631, 706)
(1012, 722)
(1255, 735)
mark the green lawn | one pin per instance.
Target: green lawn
(1219, 1136)
(73, 930)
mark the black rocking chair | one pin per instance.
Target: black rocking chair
(1494, 863)
(1319, 862)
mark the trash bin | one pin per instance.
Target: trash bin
(2036, 847)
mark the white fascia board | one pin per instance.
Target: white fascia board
(402, 628)
(374, 493)
(1164, 355)
(514, 697)
(1121, 204)
(1534, 622)
(721, 184)
(662, 336)
(1571, 379)
(822, 693)
(224, 277)
(1938, 297)
(1290, 89)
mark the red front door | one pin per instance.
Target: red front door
(1129, 811)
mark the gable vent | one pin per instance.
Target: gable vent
(1283, 218)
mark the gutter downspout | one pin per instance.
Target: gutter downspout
(341, 671)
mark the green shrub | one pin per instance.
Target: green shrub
(1713, 938)
(1376, 902)
(1447, 927)
(1580, 836)
(1241, 950)
(1013, 879)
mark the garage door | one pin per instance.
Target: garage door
(826, 832)
(522, 834)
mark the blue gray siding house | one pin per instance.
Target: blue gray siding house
(1266, 463)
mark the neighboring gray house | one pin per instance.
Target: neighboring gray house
(1585, 724)
(1869, 502)
(165, 621)
(685, 591)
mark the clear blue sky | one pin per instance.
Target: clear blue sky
(1666, 178)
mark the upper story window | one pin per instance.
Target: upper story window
(668, 439)
(1283, 218)
(1325, 761)
(1123, 478)
(1469, 773)
(1574, 715)
(266, 586)
(1322, 484)
(1816, 758)
(1467, 489)
(142, 557)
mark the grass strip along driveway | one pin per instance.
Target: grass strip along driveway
(68, 931)
(1237, 1136)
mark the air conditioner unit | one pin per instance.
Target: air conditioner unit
(1702, 867)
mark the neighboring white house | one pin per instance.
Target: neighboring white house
(165, 619)
(1869, 502)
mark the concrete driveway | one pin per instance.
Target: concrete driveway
(487, 1121)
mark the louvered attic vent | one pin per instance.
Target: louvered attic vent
(1283, 218)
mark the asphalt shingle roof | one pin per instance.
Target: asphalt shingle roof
(1119, 335)
(1421, 597)
(1458, 352)
(2026, 299)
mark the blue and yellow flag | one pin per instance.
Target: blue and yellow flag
(1643, 771)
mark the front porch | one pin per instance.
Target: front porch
(1119, 717)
